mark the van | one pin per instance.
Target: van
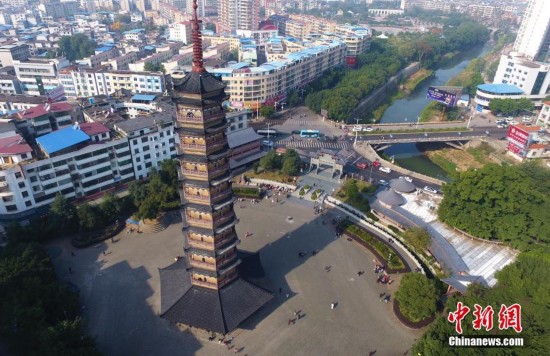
(384, 169)
(526, 120)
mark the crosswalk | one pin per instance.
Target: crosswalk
(313, 144)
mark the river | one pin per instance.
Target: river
(408, 155)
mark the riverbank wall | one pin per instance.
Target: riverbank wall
(379, 95)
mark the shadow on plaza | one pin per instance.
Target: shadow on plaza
(120, 318)
(280, 257)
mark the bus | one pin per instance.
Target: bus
(266, 132)
(310, 133)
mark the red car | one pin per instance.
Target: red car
(362, 165)
(376, 164)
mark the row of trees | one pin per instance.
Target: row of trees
(339, 91)
(507, 203)
(511, 106)
(288, 163)
(77, 46)
(38, 314)
(150, 67)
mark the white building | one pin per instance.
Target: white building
(181, 31)
(101, 54)
(9, 53)
(9, 84)
(152, 139)
(530, 76)
(544, 116)
(38, 76)
(533, 38)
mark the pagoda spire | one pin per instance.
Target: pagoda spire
(197, 41)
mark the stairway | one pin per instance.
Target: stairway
(156, 225)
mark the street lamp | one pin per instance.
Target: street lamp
(370, 174)
(417, 121)
(356, 131)
(268, 140)
(469, 121)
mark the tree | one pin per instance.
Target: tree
(63, 214)
(418, 237)
(511, 106)
(291, 163)
(417, 296)
(89, 217)
(506, 203)
(352, 192)
(267, 111)
(270, 161)
(77, 46)
(150, 67)
(110, 207)
(233, 55)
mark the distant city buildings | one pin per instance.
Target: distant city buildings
(238, 15)
(533, 38)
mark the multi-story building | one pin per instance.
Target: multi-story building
(209, 272)
(125, 5)
(38, 76)
(525, 142)
(58, 9)
(45, 118)
(152, 139)
(9, 84)
(238, 15)
(86, 82)
(9, 102)
(102, 54)
(481, 11)
(136, 35)
(9, 53)
(181, 31)
(533, 38)
(122, 62)
(544, 116)
(530, 76)
(162, 55)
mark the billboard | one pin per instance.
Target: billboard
(441, 96)
(517, 136)
(56, 94)
(519, 151)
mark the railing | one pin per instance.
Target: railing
(217, 170)
(226, 261)
(221, 194)
(224, 241)
(223, 219)
(205, 284)
(210, 117)
(191, 146)
(196, 197)
(194, 172)
(201, 222)
(185, 118)
(203, 265)
(214, 144)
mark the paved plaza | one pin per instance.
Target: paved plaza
(119, 286)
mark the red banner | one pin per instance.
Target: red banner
(516, 149)
(518, 137)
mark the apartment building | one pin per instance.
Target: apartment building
(180, 31)
(58, 9)
(238, 15)
(38, 76)
(249, 87)
(10, 102)
(481, 11)
(9, 84)
(44, 118)
(152, 139)
(102, 54)
(122, 62)
(163, 54)
(87, 82)
(9, 53)
(533, 38)
(544, 116)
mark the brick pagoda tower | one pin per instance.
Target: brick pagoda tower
(205, 289)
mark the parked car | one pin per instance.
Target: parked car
(526, 120)
(376, 164)
(362, 165)
(383, 182)
(430, 190)
(408, 179)
(368, 129)
(513, 122)
(384, 169)
(356, 129)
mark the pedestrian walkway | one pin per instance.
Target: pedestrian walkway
(313, 143)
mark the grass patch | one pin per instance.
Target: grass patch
(481, 153)
(394, 262)
(444, 163)
(417, 78)
(246, 192)
(360, 203)
(270, 175)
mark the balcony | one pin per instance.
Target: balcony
(197, 198)
(217, 171)
(219, 196)
(218, 221)
(202, 265)
(194, 173)
(225, 261)
(199, 222)
(204, 284)
(214, 145)
(191, 147)
(224, 241)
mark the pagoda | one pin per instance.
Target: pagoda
(207, 288)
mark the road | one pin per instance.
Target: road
(432, 136)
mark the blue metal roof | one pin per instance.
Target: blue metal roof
(143, 97)
(61, 139)
(104, 48)
(500, 88)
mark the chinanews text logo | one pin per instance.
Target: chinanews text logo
(509, 317)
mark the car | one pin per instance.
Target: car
(502, 126)
(362, 165)
(368, 129)
(384, 169)
(383, 182)
(408, 179)
(513, 122)
(500, 114)
(509, 119)
(430, 190)
(526, 120)
(356, 129)
(376, 164)
(502, 138)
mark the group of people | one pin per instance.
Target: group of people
(384, 279)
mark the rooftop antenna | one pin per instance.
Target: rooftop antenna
(197, 41)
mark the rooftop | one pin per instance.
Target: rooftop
(32, 113)
(142, 122)
(500, 89)
(13, 145)
(61, 139)
(93, 128)
(143, 97)
(527, 128)
(241, 137)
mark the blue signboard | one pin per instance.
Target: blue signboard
(442, 96)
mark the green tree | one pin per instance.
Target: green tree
(418, 237)
(417, 296)
(63, 214)
(89, 217)
(233, 55)
(150, 67)
(110, 207)
(77, 46)
(511, 106)
(352, 192)
(291, 163)
(267, 110)
(271, 161)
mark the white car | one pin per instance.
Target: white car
(408, 179)
(384, 169)
(382, 182)
(430, 190)
(368, 129)
(514, 122)
(356, 129)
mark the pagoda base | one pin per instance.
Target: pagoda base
(213, 310)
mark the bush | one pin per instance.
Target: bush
(394, 229)
(314, 196)
(252, 193)
(417, 296)
(383, 250)
(372, 216)
(302, 192)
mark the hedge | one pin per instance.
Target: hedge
(380, 248)
(86, 239)
(247, 192)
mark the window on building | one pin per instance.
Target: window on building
(25, 194)
(21, 184)
(17, 175)
(136, 150)
(138, 167)
(28, 203)
(147, 156)
(11, 207)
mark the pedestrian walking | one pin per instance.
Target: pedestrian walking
(332, 305)
(287, 295)
(104, 253)
(289, 321)
(72, 253)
